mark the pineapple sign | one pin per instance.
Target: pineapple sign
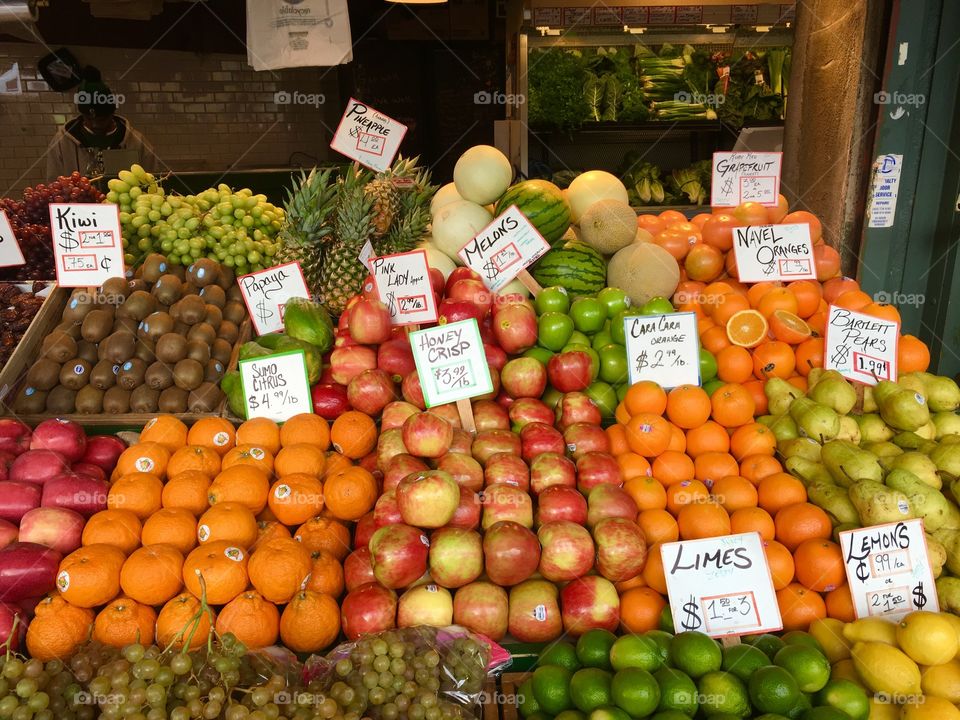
(368, 136)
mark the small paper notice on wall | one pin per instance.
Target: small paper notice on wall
(884, 189)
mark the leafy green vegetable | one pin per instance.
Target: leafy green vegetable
(612, 93)
(556, 78)
(593, 95)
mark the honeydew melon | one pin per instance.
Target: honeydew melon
(456, 224)
(438, 259)
(482, 174)
(444, 196)
(591, 186)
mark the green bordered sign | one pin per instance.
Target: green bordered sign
(451, 362)
(276, 386)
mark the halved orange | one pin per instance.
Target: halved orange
(789, 327)
(747, 328)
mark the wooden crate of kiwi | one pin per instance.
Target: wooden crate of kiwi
(120, 354)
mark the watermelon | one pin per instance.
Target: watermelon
(575, 266)
(543, 204)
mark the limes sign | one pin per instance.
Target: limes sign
(451, 363)
(87, 244)
(860, 347)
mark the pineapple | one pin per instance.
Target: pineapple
(307, 208)
(386, 194)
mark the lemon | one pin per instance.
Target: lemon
(829, 633)
(928, 707)
(942, 681)
(927, 637)
(955, 621)
(845, 670)
(885, 669)
(882, 710)
(871, 630)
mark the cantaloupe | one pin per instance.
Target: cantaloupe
(482, 174)
(644, 271)
(437, 259)
(456, 224)
(444, 196)
(608, 225)
(591, 186)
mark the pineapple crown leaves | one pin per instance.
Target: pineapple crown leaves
(307, 207)
(354, 217)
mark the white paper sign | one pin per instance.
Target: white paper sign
(451, 362)
(774, 252)
(368, 136)
(10, 253)
(740, 177)
(87, 244)
(721, 586)
(504, 248)
(884, 189)
(663, 348)
(888, 569)
(266, 291)
(860, 347)
(366, 252)
(403, 284)
(276, 387)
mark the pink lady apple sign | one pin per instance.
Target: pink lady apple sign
(888, 569)
(860, 347)
(266, 292)
(87, 244)
(663, 348)
(504, 249)
(276, 386)
(740, 177)
(368, 136)
(403, 284)
(774, 252)
(451, 362)
(721, 586)
(10, 253)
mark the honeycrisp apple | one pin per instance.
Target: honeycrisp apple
(368, 609)
(456, 556)
(488, 415)
(528, 410)
(609, 501)
(428, 498)
(621, 548)
(427, 435)
(491, 442)
(425, 605)
(508, 469)
(467, 514)
(482, 607)
(552, 469)
(534, 614)
(561, 503)
(465, 471)
(576, 407)
(582, 438)
(511, 553)
(506, 502)
(399, 555)
(589, 602)
(567, 550)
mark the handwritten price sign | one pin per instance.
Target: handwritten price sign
(265, 293)
(368, 136)
(740, 177)
(860, 347)
(888, 569)
(276, 387)
(721, 586)
(451, 362)
(503, 249)
(403, 284)
(663, 348)
(774, 252)
(87, 245)
(10, 253)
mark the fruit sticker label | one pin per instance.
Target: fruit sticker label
(774, 252)
(368, 136)
(266, 291)
(860, 347)
(740, 177)
(403, 284)
(451, 363)
(503, 249)
(888, 569)
(663, 348)
(721, 586)
(87, 245)
(276, 387)
(10, 253)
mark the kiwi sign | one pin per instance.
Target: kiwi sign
(87, 243)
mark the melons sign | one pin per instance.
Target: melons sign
(503, 249)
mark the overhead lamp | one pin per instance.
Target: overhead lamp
(417, 2)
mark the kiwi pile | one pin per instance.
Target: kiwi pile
(157, 343)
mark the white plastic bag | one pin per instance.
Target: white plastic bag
(298, 33)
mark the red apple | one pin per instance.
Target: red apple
(524, 377)
(473, 291)
(14, 436)
(103, 451)
(371, 391)
(488, 415)
(449, 412)
(550, 469)
(398, 554)
(621, 548)
(358, 568)
(18, 498)
(411, 390)
(597, 468)
(368, 609)
(8, 532)
(93, 471)
(398, 467)
(496, 357)
(526, 410)
(329, 400)
(491, 442)
(570, 371)
(466, 471)
(561, 503)
(451, 311)
(482, 608)
(389, 444)
(515, 328)
(462, 442)
(396, 413)
(63, 436)
(428, 498)
(427, 435)
(437, 280)
(369, 463)
(589, 602)
(38, 466)
(348, 362)
(495, 384)
(386, 511)
(582, 438)
(364, 530)
(576, 407)
(457, 274)
(467, 514)
(12, 616)
(609, 501)
(539, 437)
(369, 321)
(508, 469)
(27, 570)
(396, 358)
(6, 461)
(456, 556)
(567, 550)
(57, 528)
(75, 492)
(534, 615)
(427, 604)
(511, 553)
(506, 502)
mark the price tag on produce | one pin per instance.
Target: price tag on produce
(721, 586)
(87, 244)
(10, 253)
(368, 136)
(451, 362)
(888, 569)
(504, 249)
(403, 284)
(276, 386)
(860, 347)
(774, 252)
(663, 348)
(266, 291)
(740, 177)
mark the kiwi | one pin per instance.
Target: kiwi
(104, 374)
(119, 347)
(203, 272)
(44, 374)
(75, 373)
(199, 351)
(181, 328)
(114, 291)
(139, 304)
(188, 288)
(171, 348)
(192, 310)
(235, 312)
(96, 325)
(155, 326)
(167, 289)
(154, 267)
(70, 327)
(179, 270)
(87, 351)
(214, 316)
(125, 324)
(202, 332)
(89, 400)
(137, 285)
(145, 351)
(30, 401)
(144, 399)
(214, 295)
(221, 350)
(234, 294)
(227, 279)
(61, 400)
(116, 401)
(188, 374)
(58, 346)
(206, 398)
(78, 306)
(214, 371)
(131, 374)
(173, 400)
(159, 376)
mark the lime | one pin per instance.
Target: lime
(799, 637)
(551, 688)
(803, 704)
(656, 306)
(666, 619)
(593, 648)
(541, 715)
(635, 691)
(711, 386)
(695, 653)
(662, 639)
(560, 653)
(825, 713)
(552, 299)
(635, 651)
(845, 696)
(571, 715)
(670, 715)
(677, 691)
(608, 712)
(773, 689)
(808, 666)
(770, 716)
(526, 702)
(590, 688)
(723, 692)
(613, 300)
(708, 365)
(742, 660)
(769, 644)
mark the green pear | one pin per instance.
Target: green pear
(848, 464)
(883, 449)
(903, 409)
(873, 428)
(948, 593)
(936, 555)
(869, 404)
(917, 463)
(808, 471)
(834, 501)
(929, 503)
(849, 430)
(784, 427)
(913, 382)
(813, 377)
(946, 456)
(833, 390)
(877, 504)
(802, 447)
(843, 527)
(780, 394)
(946, 423)
(928, 431)
(815, 420)
(950, 539)
(908, 440)
(950, 440)
(943, 394)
